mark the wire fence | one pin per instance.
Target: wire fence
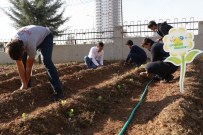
(130, 29)
(83, 37)
(140, 29)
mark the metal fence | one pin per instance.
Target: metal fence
(140, 29)
(131, 29)
(83, 37)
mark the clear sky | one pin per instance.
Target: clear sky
(82, 16)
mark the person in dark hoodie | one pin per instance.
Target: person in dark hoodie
(162, 70)
(161, 28)
(137, 56)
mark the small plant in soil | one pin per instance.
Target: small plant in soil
(131, 80)
(24, 116)
(119, 87)
(70, 113)
(63, 102)
(99, 98)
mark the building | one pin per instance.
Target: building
(108, 15)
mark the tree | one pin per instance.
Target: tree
(38, 12)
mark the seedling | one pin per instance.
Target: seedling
(119, 87)
(99, 98)
(131, 79)
(63, 102)
(24, 116)
(71, 113)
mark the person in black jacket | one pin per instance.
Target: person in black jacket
(161, 28)
(162, 70)
(137, 56)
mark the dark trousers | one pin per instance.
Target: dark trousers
(46, 48)
(163, 69)
(136, 59)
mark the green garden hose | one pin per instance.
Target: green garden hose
(135, 108)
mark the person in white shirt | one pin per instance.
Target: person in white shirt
(23, 47)
(95, 57)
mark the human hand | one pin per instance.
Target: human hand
(159, 40)
(144, 74)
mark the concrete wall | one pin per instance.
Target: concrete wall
(66, 53)
(4, 58)
(116, 51)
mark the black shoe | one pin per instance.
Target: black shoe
(167, 79)
(58, 96)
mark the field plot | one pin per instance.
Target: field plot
(98, 102)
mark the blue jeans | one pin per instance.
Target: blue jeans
(89, 63)
(46, 48)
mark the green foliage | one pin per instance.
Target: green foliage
(175, 60)
(47, 13)
(131, 80)
(120, 86)
(63, 102)
(71, 113)
(24, 116)
(99, 98)
(191, 55)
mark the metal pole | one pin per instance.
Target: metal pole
(122, 24)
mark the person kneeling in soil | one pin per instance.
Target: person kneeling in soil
(95, 57)
(137, 56)
(162, 70)
(22, 48)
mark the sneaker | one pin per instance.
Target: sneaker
(167, 79)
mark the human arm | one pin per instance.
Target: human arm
(29, 65)
(21, 71)
(128, 58)
(154, 52)
(102, 59)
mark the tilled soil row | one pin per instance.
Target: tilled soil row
(15, 103)
(89, 106)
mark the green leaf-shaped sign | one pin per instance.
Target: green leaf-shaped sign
(175, 60)
(191, 55)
